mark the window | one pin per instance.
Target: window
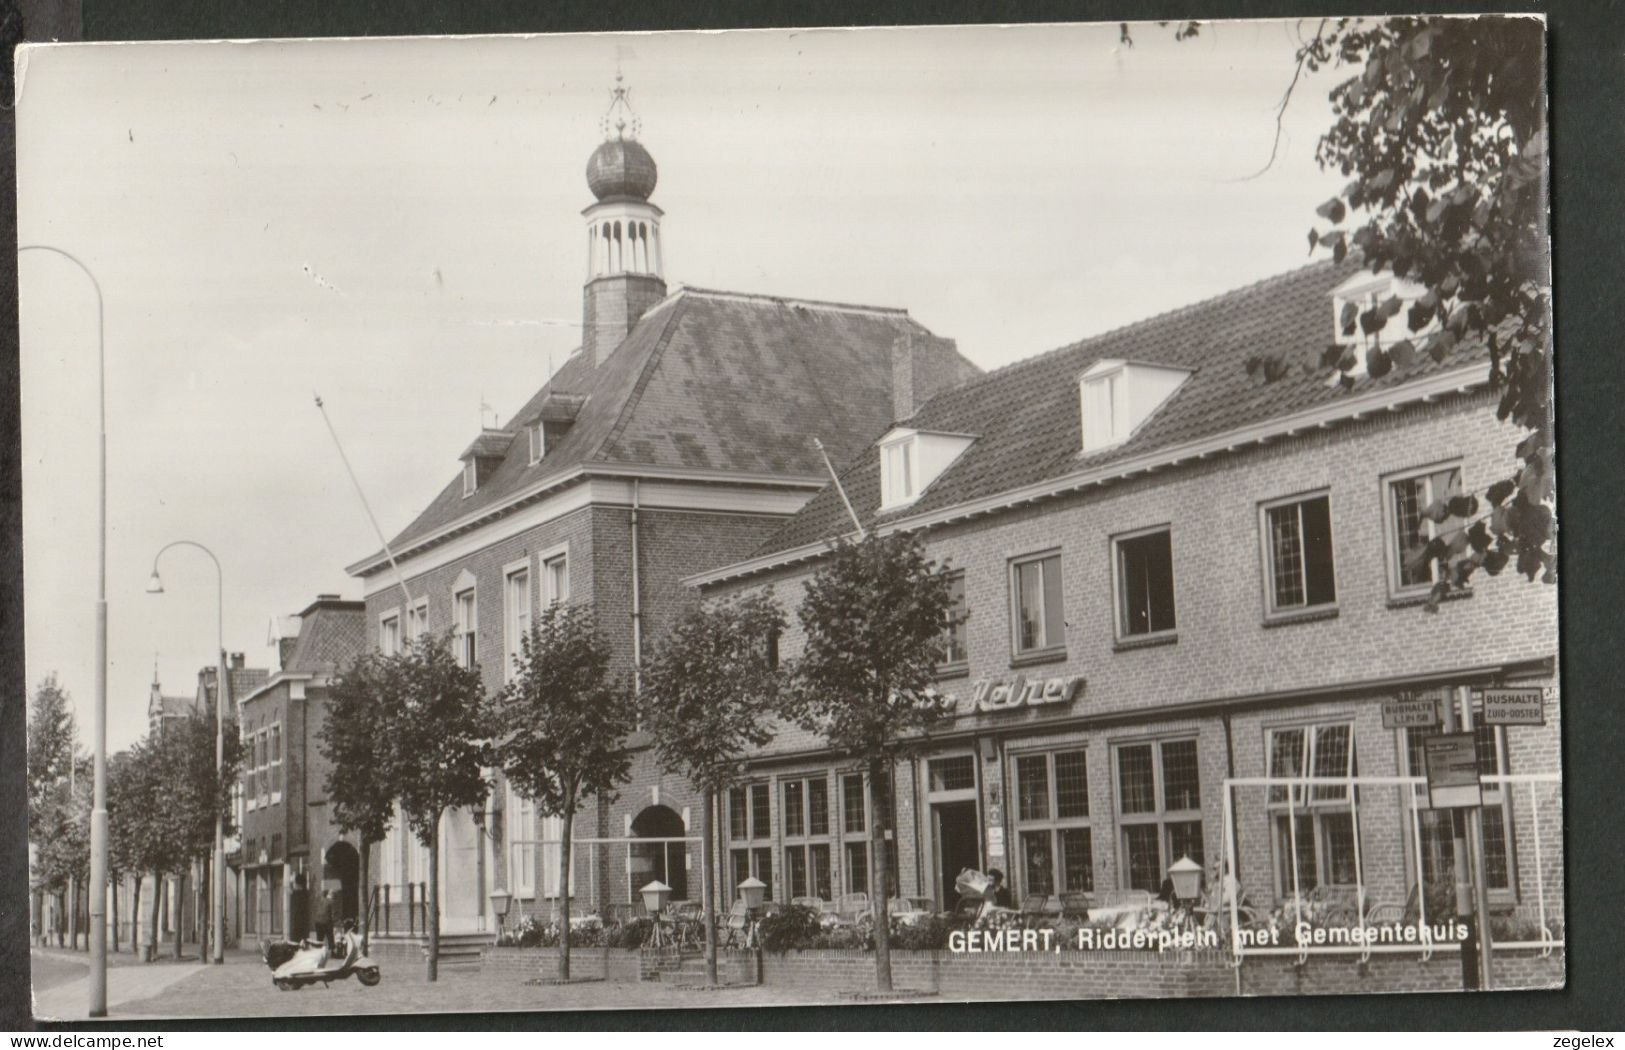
(953, 774)
(1145, 584)
(855, 825)
(389, 635)
(417, 620)
(1438, 857)
(522, 848)
(1052, 823)
(516, 617)
(538, 442)
(898, 468)
(470, 477)
(274, 761)
(1313, 824)
(553, 857)
(1116, 396)
(555, 579)
(464, 628)
(1159, 809)
(750, 822)
(770, 648)
(806, 834)
(1298, 555)
(1409, 529)
(1104, 413)
(1036, 598)
(953, 634)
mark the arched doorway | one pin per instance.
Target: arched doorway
(656, 860)
(342, 864)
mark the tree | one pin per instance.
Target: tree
(53, 739)
(561, 725)
(1442, 130)
(710, 691)
(201, 793)
(873, 617)
(360, 781)
(122, 854)
(437, 749)
(56, 829)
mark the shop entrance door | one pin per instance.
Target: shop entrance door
(958, 846)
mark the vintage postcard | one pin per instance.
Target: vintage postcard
(790, 517)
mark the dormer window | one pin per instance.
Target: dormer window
(910, 460)
(538, 441)
(1118, 396)
(897, 472)
(1361, 293)
(471, 477)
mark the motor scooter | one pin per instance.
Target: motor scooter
(309, 962)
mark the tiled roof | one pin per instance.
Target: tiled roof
(1027, 416)
(490, 443)
(330, 637)
(706, 381)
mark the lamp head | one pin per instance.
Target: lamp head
(155, 585)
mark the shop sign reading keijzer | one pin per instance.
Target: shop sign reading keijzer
(993, 696)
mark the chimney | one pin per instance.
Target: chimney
(327, 597)
(923, 366)
(611, 307)
(236, 661)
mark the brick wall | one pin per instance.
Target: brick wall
(611, 306)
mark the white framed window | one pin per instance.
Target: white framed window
(471, 478)
(538, 442)
(274, 761)
(1055, 850)
(553, 857)
(522, 831)
(1407, 528)
(1159, 809)
(1036, 612)
(465, 628)
(1143, 568)
(516, 614)
(1320, 816)
(389, 633)
(417, 620)
(1299, 569)
(1105, 413)
(899, 471)
(555, 575)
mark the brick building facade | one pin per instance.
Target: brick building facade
(677, 438)
(1221, 594)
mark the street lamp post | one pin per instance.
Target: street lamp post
(98, 806)
(217, 880)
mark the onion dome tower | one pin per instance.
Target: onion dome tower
(624, 277)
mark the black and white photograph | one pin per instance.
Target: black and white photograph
(796, 517)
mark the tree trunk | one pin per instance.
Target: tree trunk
(135, 917)
(434, 899)
(564, 885)
(878, 878)
(73, 913)
(200, 898)
(365, 895)
(178, 913)
(706, 834)
(113, 899)
(157, 906)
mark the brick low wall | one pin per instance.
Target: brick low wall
(1063, 975)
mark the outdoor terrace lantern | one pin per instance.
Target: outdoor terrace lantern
(501, 904)
(1187, 878)
(752, 891)
(655, 896)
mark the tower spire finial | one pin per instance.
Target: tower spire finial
(620, 115)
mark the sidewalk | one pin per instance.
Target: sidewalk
(128, 980)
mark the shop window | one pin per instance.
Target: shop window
(953, 635)
(806, 838)
(1313, 825)
(1298, 555)
(1145, 584)
(1038, 620)
(1052, 822)
(1158, 809)
(1435, 832)
(1408, 529)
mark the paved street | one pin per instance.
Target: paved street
(61, 982)
(242, 988)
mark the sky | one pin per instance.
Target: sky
(395, 225)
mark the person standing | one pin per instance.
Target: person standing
(321, 916)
